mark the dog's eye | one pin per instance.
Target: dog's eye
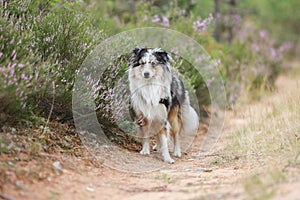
(153, 62)
(143, 62)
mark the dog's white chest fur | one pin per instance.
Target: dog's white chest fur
(146, 98)
(152, 94)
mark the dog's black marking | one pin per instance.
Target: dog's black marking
(177, 92)
(166, 102)
(162, 56)
(136, 55)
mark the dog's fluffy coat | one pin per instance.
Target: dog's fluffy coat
(159, 102)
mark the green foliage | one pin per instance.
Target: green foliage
(19, 69)
(281, 18)
(42, 43)
(64, 36)
(195, 82)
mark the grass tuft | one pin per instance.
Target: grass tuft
(268, 142)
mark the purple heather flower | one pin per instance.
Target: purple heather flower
(165, 21)
(201, 25)
(155, 19)
(20, 65)
(218, 15)
(23, 105)
(263, 33)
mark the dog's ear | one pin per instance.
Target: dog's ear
(136, 55)
(164, 58)
(139, 51)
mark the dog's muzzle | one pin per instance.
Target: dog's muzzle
(146, 75)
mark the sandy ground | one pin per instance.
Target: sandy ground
(191, 177)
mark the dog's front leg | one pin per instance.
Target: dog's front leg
(145, 141)
(146, 147)
(163, 137)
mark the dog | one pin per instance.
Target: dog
(159, 102)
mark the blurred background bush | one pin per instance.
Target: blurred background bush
(44, 42)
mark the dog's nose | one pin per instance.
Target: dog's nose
(146, 74)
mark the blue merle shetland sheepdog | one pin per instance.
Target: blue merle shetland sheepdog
(159, 102)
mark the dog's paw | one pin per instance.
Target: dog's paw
(177, 153)
(145, 152)
(169, 160)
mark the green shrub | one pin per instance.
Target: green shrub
(42, 43)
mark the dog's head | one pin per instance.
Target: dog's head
(148, 63)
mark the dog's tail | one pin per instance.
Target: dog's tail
(189, 117)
